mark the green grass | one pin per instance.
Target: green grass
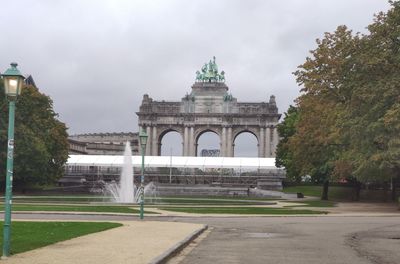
(73, 208)
(313, 203)
(306, 190)
(198, 200)
(175, 200)
(241, 210)
(216, 201)
(85, 199)
(208, 197)
(334, 192)
(30, 235)
(59, 199)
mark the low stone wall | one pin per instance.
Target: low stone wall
(181, 185)
(270, 185)
(200, 190)
(209, 190)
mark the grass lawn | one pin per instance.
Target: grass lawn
(171, 199)
(58, 199)
(241, 210)
(61, 199)
(30, 235)
(175, 200)
(210, 201)
(73, 208)
(208, 197)
(334, 192)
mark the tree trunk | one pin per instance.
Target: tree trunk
(394, 185)
(385, 191)
(325, 190)
(357, 190)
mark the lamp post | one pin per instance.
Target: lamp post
(143, 141)
(13, 81)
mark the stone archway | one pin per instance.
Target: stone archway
(210, 106)
(201, 132)
(253, 132)
(162, 136)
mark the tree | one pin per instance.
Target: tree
(284, 157)
(374, 108)
(349, 112)
(41, 146)
(324, 78)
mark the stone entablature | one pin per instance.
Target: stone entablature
(104, 143)
(209, 107)
(76, 147)
(105, 137)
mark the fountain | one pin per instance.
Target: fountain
(125, 191)
(150, 192)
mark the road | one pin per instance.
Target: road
(319, 240)
(313, 239)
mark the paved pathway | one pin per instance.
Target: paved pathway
(300, 240)
(135, 242)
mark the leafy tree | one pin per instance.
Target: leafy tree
(284, 157)
(41, 146)
(349, 112)
(324, 78)
(374, 107)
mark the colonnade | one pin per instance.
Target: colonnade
(267, 137)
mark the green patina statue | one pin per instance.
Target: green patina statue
(228, 97)
(209, 73)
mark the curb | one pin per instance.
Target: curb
(178, 247)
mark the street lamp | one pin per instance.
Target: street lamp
(13, 81)
(143, 141)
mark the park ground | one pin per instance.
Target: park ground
(240, 230)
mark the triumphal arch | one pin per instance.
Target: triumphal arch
(210, 107)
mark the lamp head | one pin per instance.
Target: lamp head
(13, 80)
(143, 138)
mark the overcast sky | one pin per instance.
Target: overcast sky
(96, 59)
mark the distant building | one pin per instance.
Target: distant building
(77, 147)
(102, 143)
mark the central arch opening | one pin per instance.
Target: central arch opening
(171, 144)
(245, 145)
(208, 143)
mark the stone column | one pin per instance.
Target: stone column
(275, 140)
(149, 141)
(191, 142)
(154, 151)
(223, 142)
(185, 141)
(268, 143)
(229, 143)
(261, 143)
